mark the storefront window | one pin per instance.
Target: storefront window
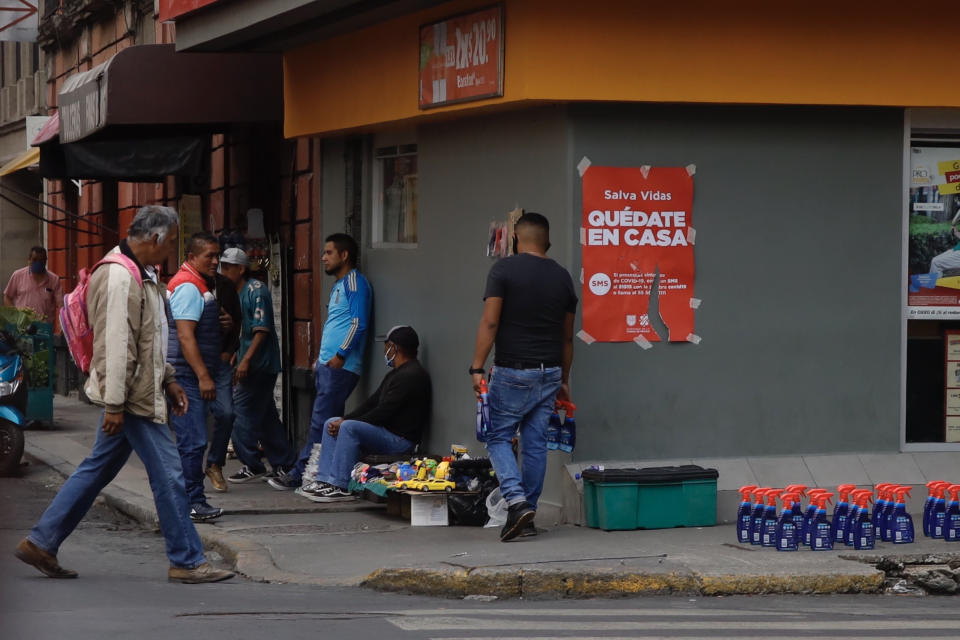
(933, 294)
(395, 196)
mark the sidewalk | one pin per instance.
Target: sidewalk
(277, 536)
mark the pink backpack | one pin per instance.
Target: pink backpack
(73, 315)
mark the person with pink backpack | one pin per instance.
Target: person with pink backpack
(118, 333)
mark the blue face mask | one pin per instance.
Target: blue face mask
(39, 267)
(388, 359)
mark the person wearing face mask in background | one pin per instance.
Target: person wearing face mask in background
(34, 287)
(258, 364)
(389, 422)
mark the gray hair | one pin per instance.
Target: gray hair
(153, 220)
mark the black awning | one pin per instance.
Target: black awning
(148, 112)
(153, 86)
(131, 160)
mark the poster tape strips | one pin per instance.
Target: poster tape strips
(583, 165)
(691, 169)
(583, 236)
(586, 337)
(694, 302)
(645, 171)
(581, 275)
(643, 342)
(691, 235)
(693, 338)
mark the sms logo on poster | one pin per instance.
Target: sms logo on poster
(600, 284)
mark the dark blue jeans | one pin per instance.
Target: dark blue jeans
(334, 386)
(340, 453)
(256, 420)
(521, 399)
(222, 409)
(191, 430)
(154, 446)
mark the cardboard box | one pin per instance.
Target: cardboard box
(428, 510)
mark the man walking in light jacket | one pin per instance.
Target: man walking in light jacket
(130, 379)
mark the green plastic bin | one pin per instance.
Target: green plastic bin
(652, 498)
(40, 396)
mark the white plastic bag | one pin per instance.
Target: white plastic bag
(496, 509)
(313, 464)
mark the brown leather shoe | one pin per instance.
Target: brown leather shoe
(215, 473)
(45, 562)
(197, 575)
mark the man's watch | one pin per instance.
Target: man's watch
(476, 371)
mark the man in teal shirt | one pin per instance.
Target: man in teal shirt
(258, 364)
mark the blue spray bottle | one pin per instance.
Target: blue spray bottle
(809, 515)
(861, 526)
(928, 504)
(567, 438)
(787, 532)
(769, 535)
(821, 538)
(553, 431)
(938, 514)
(889, 502)
(743, 513)
(951, 532)
(901, 523)
(797, 510)
(878, 506)
(850, 530)
(756, 516)
(841, 511)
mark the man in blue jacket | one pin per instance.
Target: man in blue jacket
(340, 360)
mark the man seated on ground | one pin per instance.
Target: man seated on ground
(390, 422)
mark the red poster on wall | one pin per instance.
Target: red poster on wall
(461, 58)
(637, 222)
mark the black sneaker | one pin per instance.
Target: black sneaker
(528, 531)
(245, 475)
(518, 516)
(284, 481)
(332, 494)
(202, 512)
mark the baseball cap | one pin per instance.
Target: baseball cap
(235, 256)
(405, 337)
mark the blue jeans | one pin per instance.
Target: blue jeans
(334, 386)
(257, 420)
(191, 430)
(340, 453)
(521, 399)
(222, 409)
(156, 450)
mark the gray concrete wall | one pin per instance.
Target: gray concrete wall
(798, 224)
(798, 219)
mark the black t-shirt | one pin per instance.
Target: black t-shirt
(401, 404)
(537, 295)
(229, 301)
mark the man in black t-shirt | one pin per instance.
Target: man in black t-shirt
(389, 422)
(528, 312)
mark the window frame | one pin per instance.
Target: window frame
(400, 149)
